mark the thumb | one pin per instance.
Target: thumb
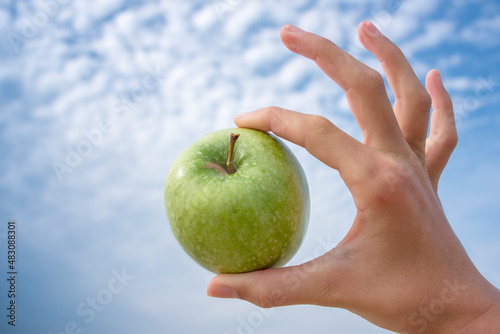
(308, 283)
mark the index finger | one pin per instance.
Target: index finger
(316, 134)
(363, 86)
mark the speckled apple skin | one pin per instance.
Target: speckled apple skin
(253, 219)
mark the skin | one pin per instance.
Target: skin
(400, 266)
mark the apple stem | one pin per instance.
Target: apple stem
(229, 163)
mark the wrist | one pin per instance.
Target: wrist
(463, 305)
(487, 317)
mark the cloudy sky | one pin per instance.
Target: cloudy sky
(98, 97)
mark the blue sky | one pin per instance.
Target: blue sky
(114, 90)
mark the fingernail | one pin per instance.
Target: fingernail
(440, 79)
(371, 27)
(241, 115)
(222, 291)
(292, 28)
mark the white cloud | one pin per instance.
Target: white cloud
(401, 26)
(243, 16)
(206, 17)
(417, 8)
(91, 12)
(435, 32)
(461, 83)
(108, 210)
(5, 21)
(268, 51)
(481, 31)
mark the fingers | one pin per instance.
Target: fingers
(315, 133)
(304, 284)
(412, 105)
(443, 136)
(364, 87)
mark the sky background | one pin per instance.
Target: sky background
(97, 98)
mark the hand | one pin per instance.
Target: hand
(400, 266)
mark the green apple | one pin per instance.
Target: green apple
(237, 204)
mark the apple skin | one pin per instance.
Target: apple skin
(253, 219)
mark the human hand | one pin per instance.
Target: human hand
(400, 266)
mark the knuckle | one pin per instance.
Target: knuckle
(423, 100)
(273, 112)
(276, 119)
(450, 141)
(446, 142)
(316, 129)
(371, 79)
(317, 123)
(266, 297)
(419, 102)
(454, 140)
(321, 54)
(395, 179)
(273, 109)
